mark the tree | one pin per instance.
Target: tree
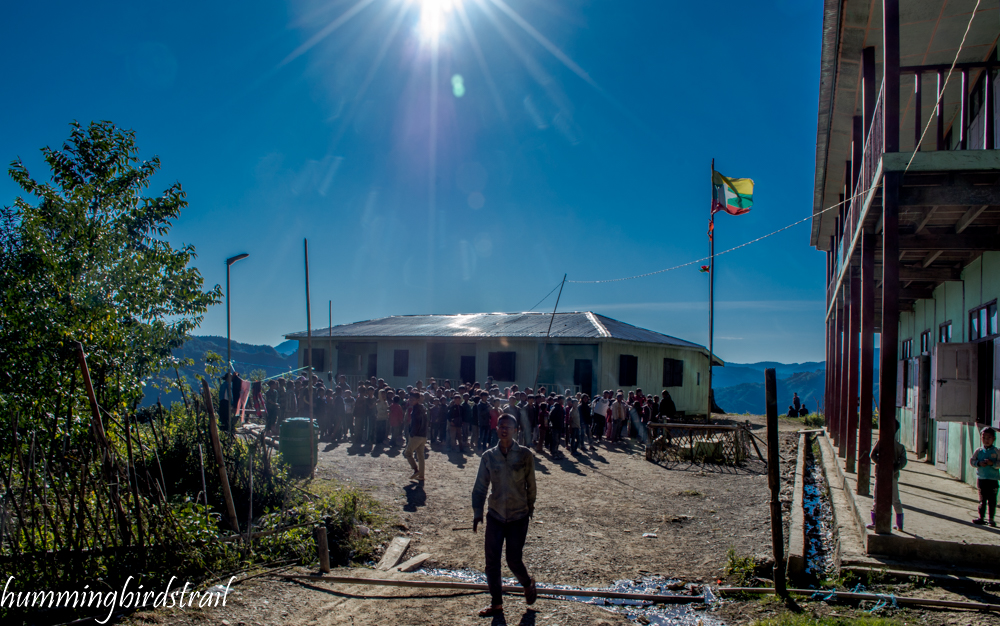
(87, 260)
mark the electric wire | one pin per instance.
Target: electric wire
(547, 295)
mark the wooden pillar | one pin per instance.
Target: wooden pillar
(888, 347)
(869, 86)
(867, 362)
(854, 322)
(857, 153)
(838, 371)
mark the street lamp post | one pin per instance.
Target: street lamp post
(229, 352)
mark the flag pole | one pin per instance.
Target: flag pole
(711, 299)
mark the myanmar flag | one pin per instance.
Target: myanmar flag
(732, 195)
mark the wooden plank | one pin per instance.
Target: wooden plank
(925, 218)
(414, 563)
(969, 217)
(393, 554)
(924, 273)
(951, 195)
(965, 242)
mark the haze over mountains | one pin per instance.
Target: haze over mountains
(739, 387)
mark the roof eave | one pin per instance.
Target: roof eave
(827, 84)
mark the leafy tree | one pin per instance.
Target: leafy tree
(84, 258)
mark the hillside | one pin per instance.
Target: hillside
(246, 357)
(749, 397)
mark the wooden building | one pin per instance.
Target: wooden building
(911, 236)
(584, 352)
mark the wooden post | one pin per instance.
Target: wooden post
(867, 361)
(918, 95)
(322, 548)
(890, 274)
(838, 385)
(95, 412)
(854, 321)
(774, 480)
(857, 156)
(204, 485)
(837, 329)
(869, 86)
(939, 110)
(309, 337)
(220, 461)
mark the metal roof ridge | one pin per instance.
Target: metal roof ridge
(601, 329)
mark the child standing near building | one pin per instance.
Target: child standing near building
(985, 460)
(898, 463)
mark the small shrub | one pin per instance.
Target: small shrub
(739, 568)
(814, 419)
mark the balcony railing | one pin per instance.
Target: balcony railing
(971, 130)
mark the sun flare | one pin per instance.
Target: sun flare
(434, 18)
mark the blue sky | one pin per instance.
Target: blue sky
(577, 140)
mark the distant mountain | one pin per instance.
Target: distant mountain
(247, 357)
(749, 397)
(739, 373)
(287, 347)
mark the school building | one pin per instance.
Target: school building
(907, 210)
(582, 351)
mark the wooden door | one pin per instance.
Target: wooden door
(921, 407)
(953, 382)
(941, 447)
(996, 383)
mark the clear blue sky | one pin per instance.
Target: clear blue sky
(426, 191)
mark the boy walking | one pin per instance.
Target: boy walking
(985, 460)
(510, 470)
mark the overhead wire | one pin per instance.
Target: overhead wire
(547, 295)
(940, 93)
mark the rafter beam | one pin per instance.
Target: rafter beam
(950, 195)
(966, 242)
(925, 218)
(969, 217)
(926, 274)
(930, 258)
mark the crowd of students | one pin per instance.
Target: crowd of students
(465, 418)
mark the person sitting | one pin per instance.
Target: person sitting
(792, 411)
(803, 411)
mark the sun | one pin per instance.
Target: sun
(434, 16)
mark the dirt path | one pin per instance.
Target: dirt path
(590, 516)
(591, 513)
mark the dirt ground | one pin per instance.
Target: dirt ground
(590, 516)
(591, 513)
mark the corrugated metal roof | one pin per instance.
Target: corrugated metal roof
(575, 325)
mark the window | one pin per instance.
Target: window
(983, 321)
(628, 370)
(500, 365)
(907, 350)
(673, 373)
(944, 332)
(318, 360)
(925, 342)
(400, 362)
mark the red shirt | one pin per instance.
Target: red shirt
(494, 417)
(395, 415)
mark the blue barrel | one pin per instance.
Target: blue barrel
(299, 445)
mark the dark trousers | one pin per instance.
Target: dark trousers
(599, 425)
(514, 533)
(987, 497)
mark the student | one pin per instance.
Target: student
(898, 463)
(396, 421)
(418, 436)
(507, 471)
(381, 417)
(985, 460)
